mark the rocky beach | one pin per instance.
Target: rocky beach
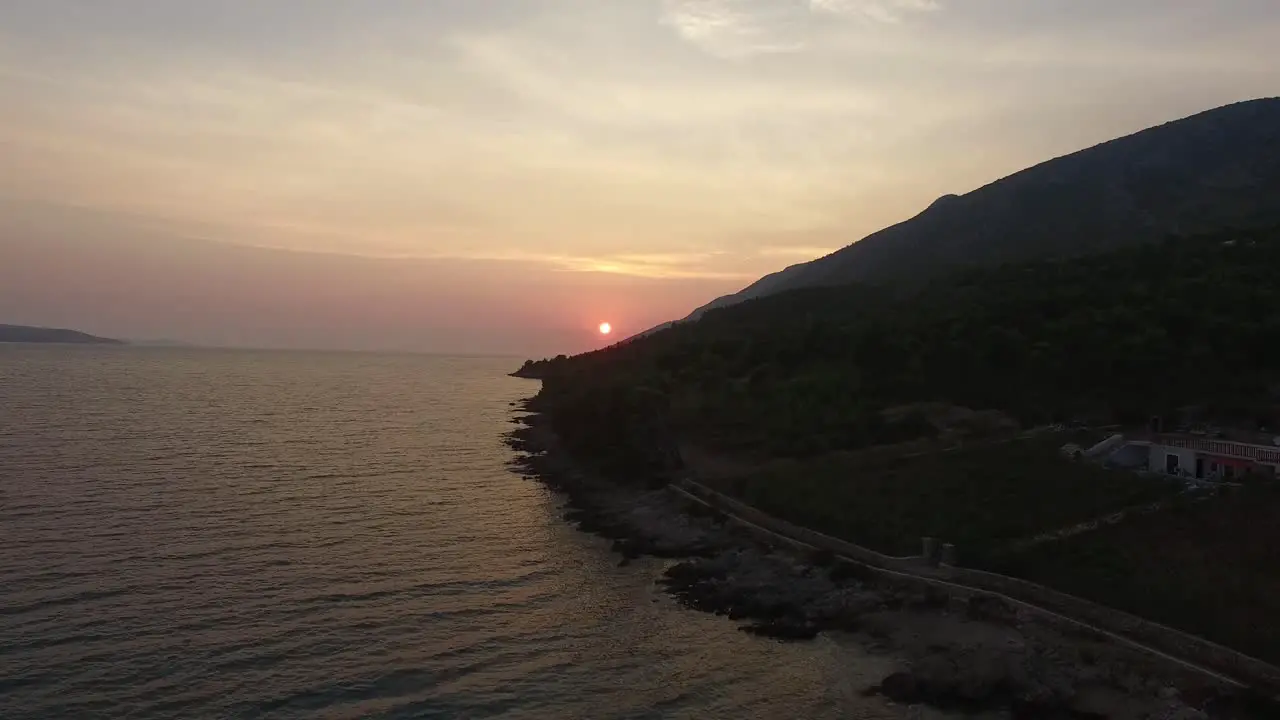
(950, 652)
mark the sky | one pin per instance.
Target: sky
(500, 176)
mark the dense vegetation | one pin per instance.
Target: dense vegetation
(819, 375)
(1212, 568)
(1109, 338)
(980, 498)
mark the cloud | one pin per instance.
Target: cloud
(889, 11)
(663, 266)
(589, 132)
(652, 266)
(737, 29)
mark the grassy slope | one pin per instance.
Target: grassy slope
(1212, 568)
(980, 498)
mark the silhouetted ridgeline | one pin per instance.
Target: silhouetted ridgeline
(1214, 170)
(24, 334)
(1130, 280)
(1106, 338)
(536, 369)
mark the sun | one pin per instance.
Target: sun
(605, 328)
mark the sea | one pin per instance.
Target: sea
(194, 533)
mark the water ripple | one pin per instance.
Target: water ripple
(207, 534)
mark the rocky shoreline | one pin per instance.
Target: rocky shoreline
(970, 655)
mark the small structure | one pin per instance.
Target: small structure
(948, 555)
(929, 550)
(1223, 455)
(1105, 447)
(1134, 455)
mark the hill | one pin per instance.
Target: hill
(881, 418)
(25, 334)
(1107, 338)
(1214, 170)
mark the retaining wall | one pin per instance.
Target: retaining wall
(804, 535)
(1175, 643)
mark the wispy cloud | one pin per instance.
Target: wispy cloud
(738, 29)
(653, 266)
(890, 11)
(589, 136)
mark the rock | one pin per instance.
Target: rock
(787, 628)
(928, 600)
(984, 607)
(936, 674)
(682, 574)
(924, 712)
(846, 572)
(1061, 685)
(1097, 702)
(1243, 703)
(844, 607)
(1182, 712)
(725, 570)
(969, 677)
(1046, 710)
(981, 678)
(1034, 701)
(901, 687)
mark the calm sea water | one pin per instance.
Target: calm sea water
(217, 534)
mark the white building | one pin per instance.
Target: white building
(1201, 456)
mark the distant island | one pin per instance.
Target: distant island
(26, 334)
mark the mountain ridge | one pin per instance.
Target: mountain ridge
(1217, 168)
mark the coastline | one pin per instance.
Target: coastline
(966, 654)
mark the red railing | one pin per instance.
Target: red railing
(1226, 448)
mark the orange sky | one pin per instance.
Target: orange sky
(502, 176)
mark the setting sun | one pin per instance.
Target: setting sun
(605, 328)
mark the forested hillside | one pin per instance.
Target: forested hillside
(1107, 338)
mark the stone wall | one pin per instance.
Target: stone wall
(804, 535)
(915, 570)
(1176, 643)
